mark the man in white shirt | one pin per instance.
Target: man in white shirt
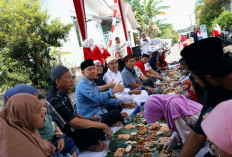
(151, 71)
(114, 75)
(119, 53)
(145, 44)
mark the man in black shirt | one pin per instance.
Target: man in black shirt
(194, 35)
(86, 133)
(212, 71)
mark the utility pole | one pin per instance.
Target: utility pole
(190, 16)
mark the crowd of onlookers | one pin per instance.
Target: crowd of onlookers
(196, 35)
(32, 125)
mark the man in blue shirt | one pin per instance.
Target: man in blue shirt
(130, 79)
(91, 101)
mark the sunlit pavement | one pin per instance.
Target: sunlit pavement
(174, 55)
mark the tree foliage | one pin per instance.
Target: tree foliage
(224, 19)
(207, 10)
(167, 31)
(12, 72)
(146, 12)
(26, 42)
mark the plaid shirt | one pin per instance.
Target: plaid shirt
(62, 110)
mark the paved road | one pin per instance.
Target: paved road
(174, 55)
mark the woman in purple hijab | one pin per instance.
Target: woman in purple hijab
(179, 112)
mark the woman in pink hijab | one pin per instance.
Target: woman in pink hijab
(179, 112)
(19, 124)
(218, 128)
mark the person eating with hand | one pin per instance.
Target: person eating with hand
(113, 74)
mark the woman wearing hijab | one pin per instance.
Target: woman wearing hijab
(217, 126)
(21, 88)
(19, 124)
(216, 30)
(161, 60)
(179, 112)
(153, 61)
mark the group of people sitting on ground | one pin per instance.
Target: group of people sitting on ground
(209, 114)
(31, 125)
(156, 59)
(63, 127)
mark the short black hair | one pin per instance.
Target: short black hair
(163, 53)
(128, 57)
(154, 53)
(145, 55)
(40, 96)
(116, 38)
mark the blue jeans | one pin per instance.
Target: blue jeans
(69, 147)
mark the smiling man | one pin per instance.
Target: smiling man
(113, 75)
(130, 78)
(91, 101)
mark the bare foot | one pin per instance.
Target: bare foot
(117, 124)
(98, 147)
(124, 114)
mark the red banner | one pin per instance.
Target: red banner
(81, 18)
(123, 17)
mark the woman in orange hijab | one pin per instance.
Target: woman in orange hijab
(19, 124)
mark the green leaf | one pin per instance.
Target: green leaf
(25, 32)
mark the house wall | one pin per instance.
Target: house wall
(64, 9)
(95, 31)
(94, 28)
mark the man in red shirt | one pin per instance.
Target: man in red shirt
(141, 64)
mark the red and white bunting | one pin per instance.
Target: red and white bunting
(113, 21)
